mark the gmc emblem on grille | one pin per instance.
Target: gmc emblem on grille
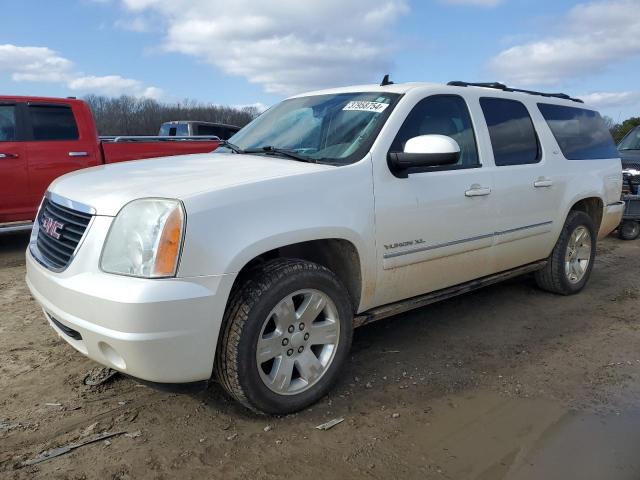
(51, 227)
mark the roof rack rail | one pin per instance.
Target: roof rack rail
(504, 88)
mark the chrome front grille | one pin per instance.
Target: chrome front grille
(59, 232)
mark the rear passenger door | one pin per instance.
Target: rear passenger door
(55, 146)
(527, 193)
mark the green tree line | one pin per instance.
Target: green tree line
(619, 130)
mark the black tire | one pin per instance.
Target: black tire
(553, 277)
(629, 230)
(247, 310)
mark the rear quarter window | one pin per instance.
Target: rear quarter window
(581, 134)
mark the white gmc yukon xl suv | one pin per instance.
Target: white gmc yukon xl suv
(332, 209)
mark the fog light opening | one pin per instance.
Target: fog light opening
(112, 356)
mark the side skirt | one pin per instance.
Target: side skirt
(378, 313)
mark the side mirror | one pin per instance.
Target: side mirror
(425, 151)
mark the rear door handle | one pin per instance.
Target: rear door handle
(543, 182)
(78, 154)
(477, 191)
(9, 155)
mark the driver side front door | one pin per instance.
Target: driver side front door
(434, 228)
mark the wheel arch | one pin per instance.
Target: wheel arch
(592, 206)
(340, 255)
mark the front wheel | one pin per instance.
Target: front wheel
(287, 334)
(569, 266)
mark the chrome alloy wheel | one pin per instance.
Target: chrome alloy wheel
(578, 254)
(298, 342)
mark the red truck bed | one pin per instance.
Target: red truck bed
(122, 151)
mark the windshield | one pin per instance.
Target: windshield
(631, 141)
(335, 128)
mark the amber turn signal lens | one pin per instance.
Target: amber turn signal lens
(169, 245)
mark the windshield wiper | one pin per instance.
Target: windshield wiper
(281, 151)
(231, 146)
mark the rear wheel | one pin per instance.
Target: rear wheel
(629, 230)
(287, 335)
(569, 266)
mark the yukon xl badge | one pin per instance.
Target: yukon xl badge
(404, 244)
(51, 227)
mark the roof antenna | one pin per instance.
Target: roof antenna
(386, 81)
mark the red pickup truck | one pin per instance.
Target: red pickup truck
(43, 138)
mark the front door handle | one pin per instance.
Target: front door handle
(9, 155)
(543, 182)
(78, 154)
(477, 191)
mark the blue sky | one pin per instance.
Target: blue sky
(257, 52)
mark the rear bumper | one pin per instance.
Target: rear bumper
(611, 217)
(159, 331)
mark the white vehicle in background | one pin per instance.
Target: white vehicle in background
(333, 209)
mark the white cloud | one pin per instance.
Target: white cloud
(41, 64)
(33, 63)
(135, 24)
(286, 46)
(114, 85)
(474, 3)
(259, 106)
(612, 99)
(595, 36)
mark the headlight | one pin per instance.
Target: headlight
(145, 239)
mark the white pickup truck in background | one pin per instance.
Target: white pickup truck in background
(254, 263)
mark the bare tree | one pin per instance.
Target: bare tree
(127, 115)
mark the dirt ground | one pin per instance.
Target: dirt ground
(504, 383)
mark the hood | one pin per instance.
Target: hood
(108, 188)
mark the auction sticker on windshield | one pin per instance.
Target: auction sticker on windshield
(363, 106)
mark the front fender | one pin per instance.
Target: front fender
(226, 229)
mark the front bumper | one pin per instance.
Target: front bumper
(611, 217)
(161, 331)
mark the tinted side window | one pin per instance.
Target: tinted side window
(229, 132)
(52, 122)
(220, 132)
(7, 123)
(580, 133)
(442, 115)
(207, 130)
(513, 137)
